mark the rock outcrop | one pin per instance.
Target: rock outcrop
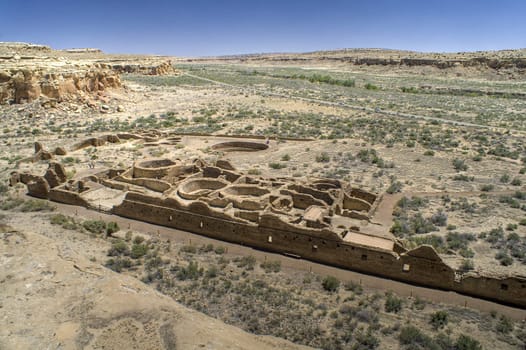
(26, 84)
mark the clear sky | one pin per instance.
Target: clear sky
(207, 27)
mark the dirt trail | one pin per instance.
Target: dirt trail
(368, 281)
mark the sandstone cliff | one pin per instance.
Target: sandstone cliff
(25, 84)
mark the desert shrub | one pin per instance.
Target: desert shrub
(505, 325)
(66, 222)
(94, 226)
(353, 286)
(396, 186)
(393, 304)
(505, 178)
(138, 239)
(10, 203)
(429, 153)
(330, 283)
(276, 165)
(212, 272)
(462, 177)
(467, 265)
(504, 259)
(247, 262)
(138, 251)
(459, 165)
(459, 241)
(219, 250)
(487, 187)
(112, 227)
(285, 158)
(190, 272)
(516, 182)
(323, 157)
(119, 263)
(439, 319)
(365, 340)
(118, 247)
(206, 248)
(370, 86)
(190, 249)
(32, 205)
(271, 266)
(412, 338)
(465, 342)
(439, 218)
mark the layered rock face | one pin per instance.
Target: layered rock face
(144, 67)
(27, 84)
(28, 72)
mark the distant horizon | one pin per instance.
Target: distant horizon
(261, 53)
(203, 28)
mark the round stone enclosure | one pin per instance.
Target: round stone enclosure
(240, 146)
(195, 188)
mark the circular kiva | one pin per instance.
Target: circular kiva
(153, 168)
(245, 190)
(195, 188)
(240, 146)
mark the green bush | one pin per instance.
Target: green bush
(330, 283)
(111, 228)
(459, 165)
(395, 187)
(119, 247)
(465, 342)
(393, 304)
(412, 338)
(467, 265)
(219, 250)
(190, 249)
(487, 187)
(277, 166)
(248, 262)
(439, 319)
(32, 205)
(66, 222)
(271, 266)
(138, 251)
(285, 158)
(323, 157)
(192, 272)
(94, 226)
(505, 325)
(117, 264)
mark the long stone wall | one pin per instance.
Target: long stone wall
(421, 266)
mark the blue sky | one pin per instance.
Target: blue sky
(206, 27)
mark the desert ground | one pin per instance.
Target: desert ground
(439, 136)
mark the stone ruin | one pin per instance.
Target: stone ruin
(317, 220)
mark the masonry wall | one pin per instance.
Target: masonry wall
(325, 249)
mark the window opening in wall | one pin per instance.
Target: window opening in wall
(270, 239)
(201, 224)
(504, 286)
(314, 247)
(170, 218)
(364, 257)
(406, 267)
